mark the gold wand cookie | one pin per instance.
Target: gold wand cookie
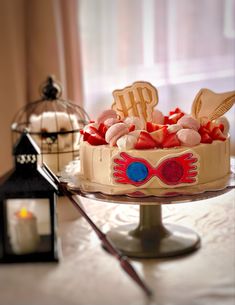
(212, 105)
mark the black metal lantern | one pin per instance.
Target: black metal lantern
(54, 124)
(27, 208)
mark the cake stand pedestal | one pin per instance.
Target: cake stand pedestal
(151, 238)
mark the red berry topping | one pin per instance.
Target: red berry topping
(173, 118)
(102, 129)
(217, 134)
(159, 135)
(221, 127)
(145, 141)
(209, 126)
(203, 130)
(166, 120)
(96, 139)
(86, 136)
(131, 128)
(206, 138)
(177, 110)
(150, 127)
(171, 141)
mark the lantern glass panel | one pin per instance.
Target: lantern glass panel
(28, 226)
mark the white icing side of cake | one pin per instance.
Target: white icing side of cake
(97, 161)
(57, 161)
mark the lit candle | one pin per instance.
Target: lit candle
(24, 233)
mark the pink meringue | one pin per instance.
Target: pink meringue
(115, 132)
(111, 121)
(158, 117)
(107, 114)
(188, 137)
(174, 128)
(189, 122)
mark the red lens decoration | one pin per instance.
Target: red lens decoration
(172, 171)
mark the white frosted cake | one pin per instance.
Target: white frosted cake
(134, 144)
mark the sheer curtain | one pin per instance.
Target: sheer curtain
(178, 45)
(38, 38)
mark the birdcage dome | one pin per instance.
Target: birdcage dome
(54, 124)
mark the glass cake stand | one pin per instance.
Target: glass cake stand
(151, 238)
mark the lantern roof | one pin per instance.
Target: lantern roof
(26, 180)
(17, 182)
(26, 145)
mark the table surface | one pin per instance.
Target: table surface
(88, 275)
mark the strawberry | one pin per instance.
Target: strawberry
(94, 136)
(102, 129)
(166, 120)
(85, 136)
(150, 127)
(90, 129)
(161, 126)
(217, 134)
(159, 135)
(221, 127)
(173, 118)
(171, 141)
(145, 141)
(131, 128)
(96, 139)
(87, 131)
(177, 110)
(206, 138)
(209, 126)
(202, 130)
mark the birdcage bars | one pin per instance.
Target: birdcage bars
(51, 102)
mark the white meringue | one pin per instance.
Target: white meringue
(126, 142)
(135, 133)
(174, 128)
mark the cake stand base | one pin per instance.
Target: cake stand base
(151, 239)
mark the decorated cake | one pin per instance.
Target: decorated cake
(134, 144)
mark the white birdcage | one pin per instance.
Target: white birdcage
(54, 124)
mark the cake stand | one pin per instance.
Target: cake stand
(151, 238)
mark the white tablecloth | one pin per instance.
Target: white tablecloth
(88, 275)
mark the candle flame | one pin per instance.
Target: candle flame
(23, 212)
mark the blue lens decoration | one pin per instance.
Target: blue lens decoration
(137, 171)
